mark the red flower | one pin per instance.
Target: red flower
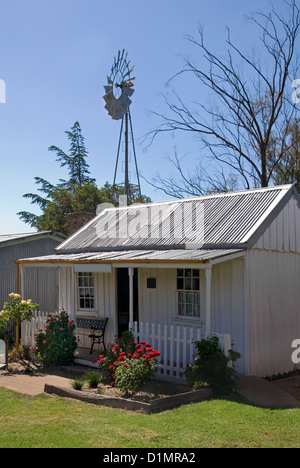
(112, 384)
(142, 342)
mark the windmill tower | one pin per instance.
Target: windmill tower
(119, 90)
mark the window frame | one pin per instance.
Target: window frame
(188, 287)
(91, 298)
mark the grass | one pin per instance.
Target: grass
(46, 421)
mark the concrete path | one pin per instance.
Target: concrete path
(34, 384)
(255, 389)
(263, 393)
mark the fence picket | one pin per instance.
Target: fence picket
(177, 346)
(29, 329)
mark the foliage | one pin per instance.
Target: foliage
(75, 161)
(57, 344)
(211, 367)
(93, 378)
(132, 372)
(78, 193)
(130, 366)
(78, 383)
(124, 343)
(17, 310)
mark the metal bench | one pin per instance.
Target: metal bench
(96, 325)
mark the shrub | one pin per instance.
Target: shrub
(17, 310)
(211, 367)
(57, 344)
(131, 371)
(77, 384)
(92, 378)
(123, 344)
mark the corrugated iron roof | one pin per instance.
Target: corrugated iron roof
(225, 220)
(4, 238)
(136, 256)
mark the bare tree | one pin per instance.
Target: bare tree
(250, 107)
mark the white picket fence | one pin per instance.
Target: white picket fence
(29, 329)
(175, 343)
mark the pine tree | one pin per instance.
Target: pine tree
(76, 159)
(79, 193)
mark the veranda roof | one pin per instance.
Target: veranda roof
(135, 256)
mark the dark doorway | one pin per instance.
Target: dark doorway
(123, 298)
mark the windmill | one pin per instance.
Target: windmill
(119, 89)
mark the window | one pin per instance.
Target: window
(86, 291)
(151, 283)
(188, 293)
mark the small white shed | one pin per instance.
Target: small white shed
(223, 263)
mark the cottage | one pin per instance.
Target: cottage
(40, 282)
(179, 270)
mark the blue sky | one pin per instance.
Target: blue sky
(54, 58)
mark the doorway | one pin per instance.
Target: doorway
(123, 298)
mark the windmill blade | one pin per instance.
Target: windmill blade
(129, 71)
(128, 91)
(108, 98)
(108, 89)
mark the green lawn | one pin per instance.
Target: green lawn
(48, 421)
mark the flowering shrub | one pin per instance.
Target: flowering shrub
(131, 371)
(123, 344)
(56, 345)
(211, 367)
(17, 310)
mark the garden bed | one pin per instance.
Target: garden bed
(146, 401)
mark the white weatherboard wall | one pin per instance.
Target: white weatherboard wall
(228, 314)
(105, 302)
(273, 282)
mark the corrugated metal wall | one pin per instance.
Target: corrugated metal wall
(41, 284)
(273, 279)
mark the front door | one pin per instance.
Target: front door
(123, 298)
